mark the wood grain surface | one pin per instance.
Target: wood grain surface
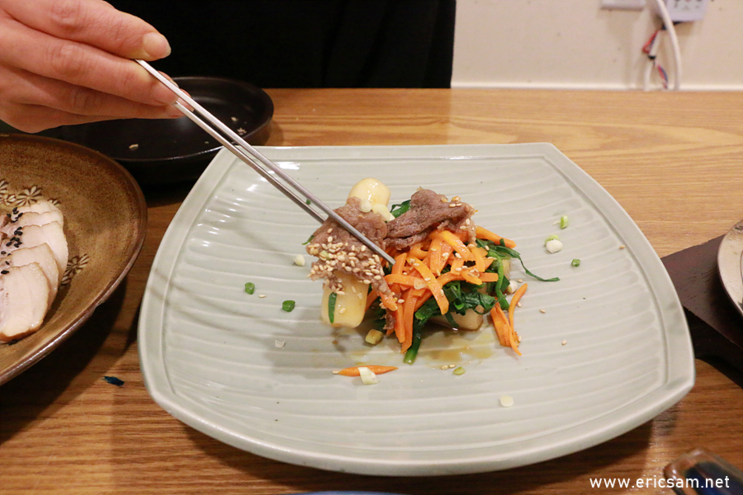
(674, 161)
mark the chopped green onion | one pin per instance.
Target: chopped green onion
(331, 306)
(399, 209)
(553, 237)
(575, 262)
(368, 377)
(459, 371)
(250, 287)
(308, 240)
(553, 246)
(564, 222)
(288, 306)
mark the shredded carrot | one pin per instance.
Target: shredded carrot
(406, 280)
(489, 277)
(374, 368)
(506, 334)
(479, 256)
(444, 250)
(514, 302)
(472, 276)
(433, 284)
(457, 264)
(416, 251)
(410, 301)
(449, 277)
(435, 259)
(455, 242)
(371, 297)
(483, 233)
(399, 263)
(422, 299)
(399, 323)
(389, 301)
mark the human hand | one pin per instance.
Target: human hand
(70, 61)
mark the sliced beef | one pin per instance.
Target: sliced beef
(337, 249)
(429, 211)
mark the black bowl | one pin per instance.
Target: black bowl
(176, 150)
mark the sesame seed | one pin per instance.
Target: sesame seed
(261, 296)
(564, 342)
(542, 310)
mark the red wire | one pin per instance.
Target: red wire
(649, 43)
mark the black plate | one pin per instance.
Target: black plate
(174, 150)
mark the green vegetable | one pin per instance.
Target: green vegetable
(575, 262)
(459, 371)
(250, 287)
(564, 222)
(399, 209)
(331, 306)
(463, 296)
(495, 250)
(412, 351)
(288, 306)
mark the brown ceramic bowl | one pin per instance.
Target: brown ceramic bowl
(105, 223)
(174, 150)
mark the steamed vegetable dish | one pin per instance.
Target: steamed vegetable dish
(447, 269)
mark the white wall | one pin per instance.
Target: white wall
(576, 44)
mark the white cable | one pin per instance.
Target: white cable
(651, 63)
(668, 23)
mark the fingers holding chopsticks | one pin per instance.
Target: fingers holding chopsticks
(73, 57)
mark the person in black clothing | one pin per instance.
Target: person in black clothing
(69, 61)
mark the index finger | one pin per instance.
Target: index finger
(93, 22)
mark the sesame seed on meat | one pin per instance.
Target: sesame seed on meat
(344, 252)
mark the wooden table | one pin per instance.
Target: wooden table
(673, 160)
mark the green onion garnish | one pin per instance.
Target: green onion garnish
(250, 287)
(288, 306)
(331, 306)
(564, 222)
(308, 240)
(575, 262)
(553, 237)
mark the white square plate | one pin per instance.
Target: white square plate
(238, 368)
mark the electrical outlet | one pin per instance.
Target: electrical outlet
(686, 10)
(623, 4)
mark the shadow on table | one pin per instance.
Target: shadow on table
(594, 462)
(60, 377)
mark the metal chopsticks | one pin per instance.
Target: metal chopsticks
(257, 161)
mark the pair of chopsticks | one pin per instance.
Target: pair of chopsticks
(258, 162)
